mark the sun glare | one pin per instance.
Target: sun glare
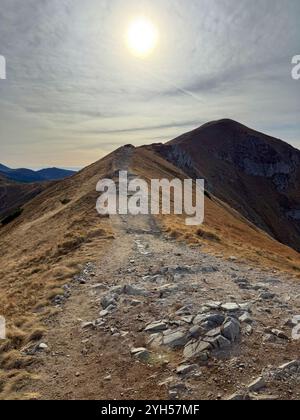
(142, 37)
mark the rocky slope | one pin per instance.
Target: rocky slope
(257, 175)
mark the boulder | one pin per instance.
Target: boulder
(231, 329)
(197, 349)
(175, 339)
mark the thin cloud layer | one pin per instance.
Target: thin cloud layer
(74, 92)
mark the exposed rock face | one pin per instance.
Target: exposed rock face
(254, 173)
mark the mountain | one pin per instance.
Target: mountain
(28, 175)
(257, 175)
(43, 250)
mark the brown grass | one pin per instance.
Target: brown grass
(57, 233)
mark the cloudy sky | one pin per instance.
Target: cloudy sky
(74, 92)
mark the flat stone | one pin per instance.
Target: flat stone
(213, 305)
(267, 296)
(135, 291)
(140, 353)
(156, 327)
(188, 319)
(108, 300)
(290, 365)
(246, 318)
(257, 385)
(230, 307)
(185, 369)
(87, 325)
(175, 339)
(196, 331)
(211, 320)
(185, 310)
(279, 334)
(195, 349)
(214, 333)
(231, 329)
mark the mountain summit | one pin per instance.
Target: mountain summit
(254, 173)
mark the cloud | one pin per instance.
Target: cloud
(73, 86)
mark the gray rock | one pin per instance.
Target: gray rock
(231, 329)
(156, 327)
(210, 320)
(108, 300)
(213, 305)
(175, 339)
(279, 334)
(185, 369)
(196, 332)
(140, 353)
(196, 349)
(134, 291)
(246, 318)
(267, 296)
(230, 307)
(257, 385)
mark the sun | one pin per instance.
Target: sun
(142, 37)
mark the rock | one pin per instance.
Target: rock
(196, 349)
(248, 330)
(213, 305)
(188, 319)
(214, 333)
(167, 288)
(156, 327)
(209, 270)
(175, 339)
(210, 320)
(267, 296)
(98, 286)
(257, 385)
(185, 369)
(239, 396)
(155, 340)
(107, 311)
(108, 300)
(230, 307)
(140, 353)
(108, 378)
(88, 325)
(231, 329)
(246, 318)
(196, 332)
(218, 342)
(135, 291)
(185, 310)
(117, 290)
(246, 306)
(279, 334)
(290, 365)
(43, 346)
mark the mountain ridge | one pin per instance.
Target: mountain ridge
(28, 175)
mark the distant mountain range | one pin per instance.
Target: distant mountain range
(27, 175)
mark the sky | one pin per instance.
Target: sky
(74, 92)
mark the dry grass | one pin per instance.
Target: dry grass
(58, 232)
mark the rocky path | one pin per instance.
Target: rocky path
(156, 319)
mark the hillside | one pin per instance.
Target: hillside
(257, 175)
(59, 232)
(14, 195)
